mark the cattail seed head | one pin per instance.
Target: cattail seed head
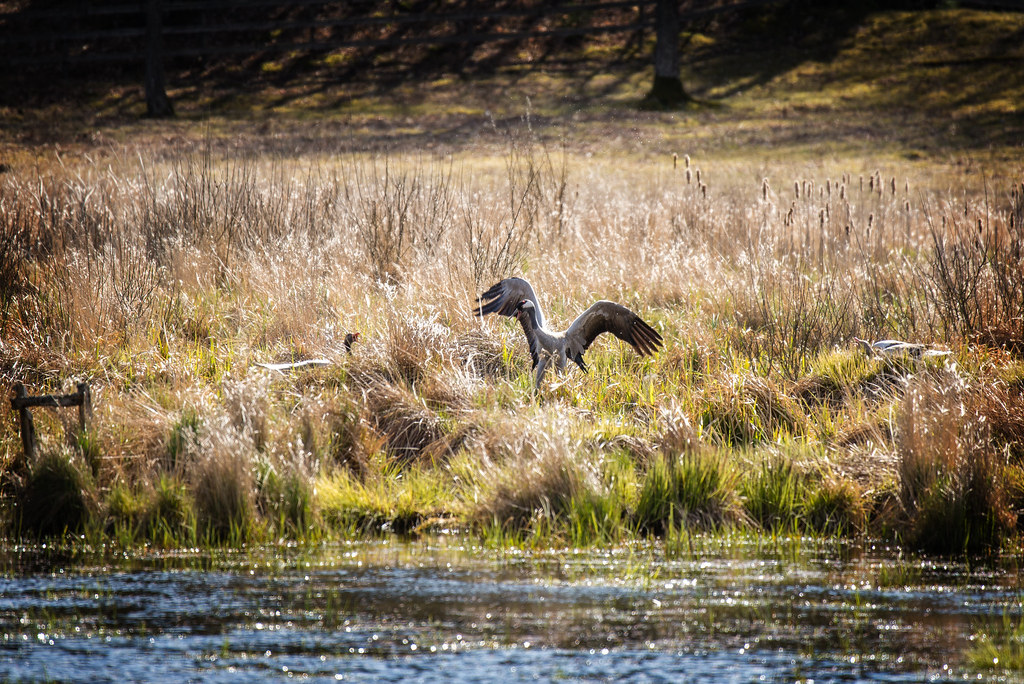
(892, 185)
(687, 176)
(675, 160)
(796, 189)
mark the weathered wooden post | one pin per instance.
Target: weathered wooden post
(28, 430)
(84, 408)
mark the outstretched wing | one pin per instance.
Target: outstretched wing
(503, 297)
(610, 317)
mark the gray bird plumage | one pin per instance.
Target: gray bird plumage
(515, 297)
(890, 348)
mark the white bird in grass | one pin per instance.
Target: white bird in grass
(890, 348)
(515, 297)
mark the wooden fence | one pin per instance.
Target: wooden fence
(23, 403)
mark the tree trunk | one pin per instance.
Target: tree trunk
(667, 90)
(157, 102)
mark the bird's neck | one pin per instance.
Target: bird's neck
(549, 341)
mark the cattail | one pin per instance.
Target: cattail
(842, 192)
(796, 189)
(686, 160)
(821, 218)
(871, 183)
(704, 191)
(862, 183)
(828, 187)
(764, 188)
(892, 185)
(698, 176)
(675, 160)
(687, 176)
(906, 186)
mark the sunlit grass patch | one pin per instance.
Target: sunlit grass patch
(1002, 648)
(952, 482)
(388, 498)
(695, 489)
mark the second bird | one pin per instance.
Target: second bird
(515, 297)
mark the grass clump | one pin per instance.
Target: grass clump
(1001, 649)
(952, 487)
(780, 497)
(696, 489)
(389, 498)
(223, 486)
(749, 410)
(183, 439)
(171, 517)
(539, 492)
(126, 510)
(776, 497)
(286, 499)
(58, 496)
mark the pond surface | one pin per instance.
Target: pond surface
(436, 610)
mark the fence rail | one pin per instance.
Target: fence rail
(22, 402)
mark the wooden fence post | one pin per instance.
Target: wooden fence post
(85, 408)
(28, 430)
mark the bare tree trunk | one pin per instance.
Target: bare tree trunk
(667, 90)
(157, 102)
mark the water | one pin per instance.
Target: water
(439, 611)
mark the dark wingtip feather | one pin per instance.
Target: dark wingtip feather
(581, 363)
(647, 338)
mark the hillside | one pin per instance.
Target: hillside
(794, 80)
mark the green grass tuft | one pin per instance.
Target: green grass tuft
(695, 489)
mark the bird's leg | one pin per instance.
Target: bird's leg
(541, 367)
(561, 362)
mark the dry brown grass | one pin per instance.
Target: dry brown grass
(952, 485)
(164, 281)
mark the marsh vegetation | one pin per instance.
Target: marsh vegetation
(759, 231)
(163, 282)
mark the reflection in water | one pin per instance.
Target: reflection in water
(433, 610)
